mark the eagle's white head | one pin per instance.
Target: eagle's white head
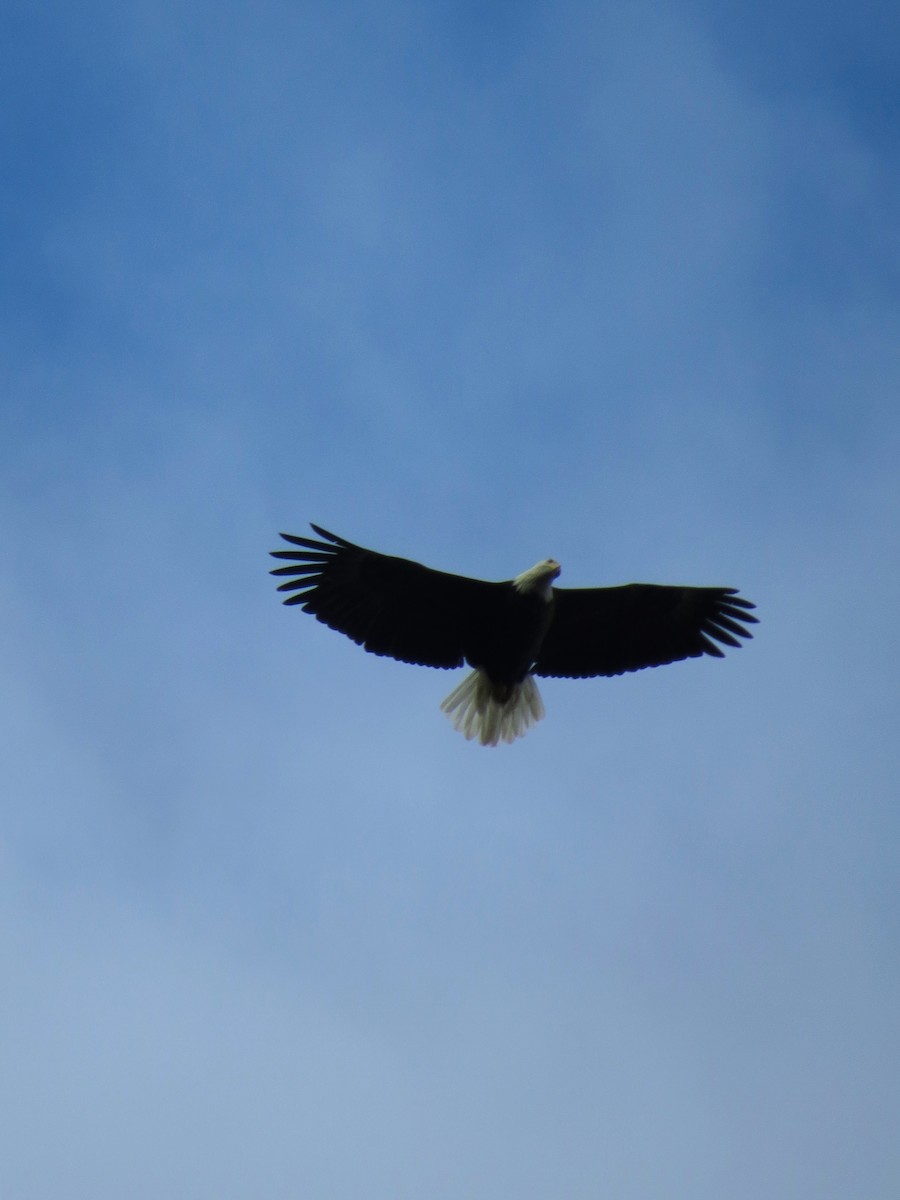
(538, 578)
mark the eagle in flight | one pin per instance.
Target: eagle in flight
(508, 632)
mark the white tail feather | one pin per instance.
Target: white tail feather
(476, 713)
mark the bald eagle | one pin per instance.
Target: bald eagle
(508, 632)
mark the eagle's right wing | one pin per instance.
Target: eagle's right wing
(389, 606)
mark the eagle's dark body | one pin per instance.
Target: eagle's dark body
(507, 640)
(508, 632)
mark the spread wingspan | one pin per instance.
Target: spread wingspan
(506, 631)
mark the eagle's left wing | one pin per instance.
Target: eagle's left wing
(607, 631)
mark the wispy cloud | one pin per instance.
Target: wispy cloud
(472, 288)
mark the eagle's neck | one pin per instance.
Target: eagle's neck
(538, 580)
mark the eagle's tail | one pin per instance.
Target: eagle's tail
(477, 713)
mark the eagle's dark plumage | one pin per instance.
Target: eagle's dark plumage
(509, 632)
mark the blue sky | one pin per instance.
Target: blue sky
(476, 285)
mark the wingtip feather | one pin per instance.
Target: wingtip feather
(331, 537)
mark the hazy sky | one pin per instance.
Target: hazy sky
(475, 284)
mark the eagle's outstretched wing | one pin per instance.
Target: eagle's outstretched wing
(607, 631)
(389, 606)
